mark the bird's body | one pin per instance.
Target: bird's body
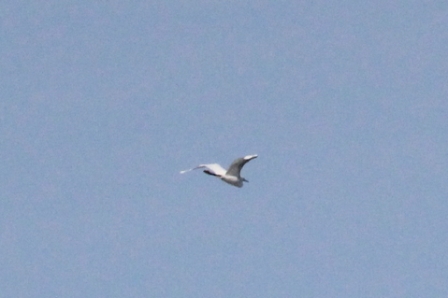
(232, 175)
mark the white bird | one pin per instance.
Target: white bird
(232, 175)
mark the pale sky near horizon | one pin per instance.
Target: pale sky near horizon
(103, 103)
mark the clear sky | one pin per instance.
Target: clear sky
(104, 102)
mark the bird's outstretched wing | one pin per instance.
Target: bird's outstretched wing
(237, 165)
(213, 167)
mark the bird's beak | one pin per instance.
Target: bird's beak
(245, 180)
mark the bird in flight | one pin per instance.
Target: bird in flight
(232, 175)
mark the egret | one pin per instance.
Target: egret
(232, 175)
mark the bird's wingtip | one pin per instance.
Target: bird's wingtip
(249, 157)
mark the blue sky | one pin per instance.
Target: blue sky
(104, 103)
